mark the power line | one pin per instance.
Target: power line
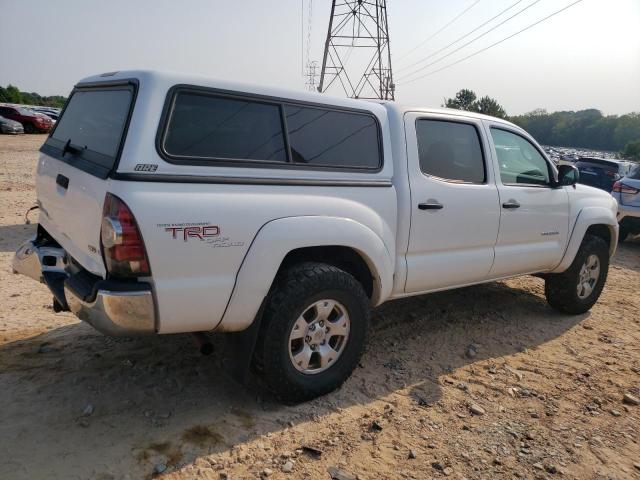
(302, 38)
(436, 33)
(309, 26)
(407, 75)
(496, 43)
(462, 37)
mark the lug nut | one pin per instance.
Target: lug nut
(307, 339)
(312, 327)
(321, 323)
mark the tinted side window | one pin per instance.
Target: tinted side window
(332, 138)
(450, 150)
(635, 172)
(520, 162)
(204, 126)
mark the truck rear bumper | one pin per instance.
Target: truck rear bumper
(113, 308)
(115, 313)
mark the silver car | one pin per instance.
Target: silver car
(10, 126)
(627, 192)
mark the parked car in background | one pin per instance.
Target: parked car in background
(31, 121)
(627, 192)
(601, 173)
(10, 126)
(49, 112)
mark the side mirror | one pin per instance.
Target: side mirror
(567, 175)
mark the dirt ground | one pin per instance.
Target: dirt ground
(77, 405)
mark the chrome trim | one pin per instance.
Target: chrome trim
(116, 313)
(29, 260)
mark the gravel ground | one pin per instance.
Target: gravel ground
(484, 382)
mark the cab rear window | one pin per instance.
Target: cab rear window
(90, 131)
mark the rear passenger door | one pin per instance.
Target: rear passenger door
(454, 202)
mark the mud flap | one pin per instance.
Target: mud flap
(55, 282)
(239, 348)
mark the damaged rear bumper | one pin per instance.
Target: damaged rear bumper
(111, 307)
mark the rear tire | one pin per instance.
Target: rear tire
(313, 332)
(577, 289)
(28, 128)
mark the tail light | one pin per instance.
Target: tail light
(620, 187)
(122, 244)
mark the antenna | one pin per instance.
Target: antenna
(362, 26)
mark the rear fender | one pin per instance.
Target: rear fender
(586, 218)
(278, 237)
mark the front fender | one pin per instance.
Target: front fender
(278, 237)
(587, 217)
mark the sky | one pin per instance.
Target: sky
(585, 57)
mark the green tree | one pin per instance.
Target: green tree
(489, 106)
(466, 99)
(12, 94)
(585, 128)
(463, 101)
(632, 150)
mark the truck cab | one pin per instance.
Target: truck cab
(171, 203)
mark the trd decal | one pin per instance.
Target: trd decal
(201, 232)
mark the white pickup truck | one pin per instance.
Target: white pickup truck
(173, 203)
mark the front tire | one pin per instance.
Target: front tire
(313, 331)
(577, 289)
(29, 128)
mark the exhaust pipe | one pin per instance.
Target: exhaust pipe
(203, 343)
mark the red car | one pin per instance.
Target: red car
(31, 121)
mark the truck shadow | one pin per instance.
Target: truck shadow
(124, 405)
(12, 236)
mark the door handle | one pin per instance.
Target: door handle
(431, 205)
(62, 181)
(511, 204)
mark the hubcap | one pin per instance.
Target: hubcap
(588, 278)
(319, 336)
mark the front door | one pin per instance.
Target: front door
(454, 202)
(534, 219)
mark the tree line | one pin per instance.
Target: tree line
(12, 94)
(582, 129)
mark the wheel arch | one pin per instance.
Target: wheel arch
(341, 242)
(596, 221)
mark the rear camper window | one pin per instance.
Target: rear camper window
(207, 127)
(89, 133)
(211, 128)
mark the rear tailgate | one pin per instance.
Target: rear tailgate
(74, 166)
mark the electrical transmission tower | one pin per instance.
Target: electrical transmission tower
(358, 26)
(312, 76)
